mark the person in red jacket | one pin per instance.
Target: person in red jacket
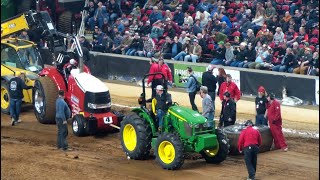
(249, 142)
(231, 87)
(273, 114)
(158, 66)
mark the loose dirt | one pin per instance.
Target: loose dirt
(28, 151)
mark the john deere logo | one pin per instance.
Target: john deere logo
(13, 25)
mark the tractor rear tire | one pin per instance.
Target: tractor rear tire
(45, 93)
(135, 137)
(223, 150)
(79, 125)
(5, 98)
(233, 133)
(169, 151)
(64, 22)
(24, 6)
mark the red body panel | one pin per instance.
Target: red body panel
(54, 75)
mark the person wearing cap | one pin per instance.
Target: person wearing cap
(125, 43)
(273, 114)
(148, 47)
(240, 53)
(220, 54)
(261, 103)
(135, 45)
(15, 88)
(119, 25)
(194, 52)
(178, 16)
(231, 88)
(228, 111)
(163, 99)
(303, 61)
(210, 81)
(116, 47)
(155, 15)
(229, 56)
(191, 85)
(156, 67)
(249, 142)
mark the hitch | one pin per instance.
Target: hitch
(114, 126)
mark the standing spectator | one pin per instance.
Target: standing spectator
(210, 81)
(194, 52)
(185, 49)
(178, 16)
(286, 63)
(16, 86)
(229, 56)
(116, 48)
(62, 114)
(249, 142)
(113, 10)
(163, 102)
(228, 111)
(207, 106)
(231, 88)
(148, 47)
(261, 107)
(221, 78)
(191, 85)
(275, 123)
(220, 54)
(155, 15)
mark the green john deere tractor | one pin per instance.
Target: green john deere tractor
(184, 130)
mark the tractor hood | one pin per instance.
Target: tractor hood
(187, 114)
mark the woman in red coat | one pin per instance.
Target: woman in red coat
(275, 122)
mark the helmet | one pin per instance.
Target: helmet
(272, 96)
(227, 94)
(248, 123)
(73, 62)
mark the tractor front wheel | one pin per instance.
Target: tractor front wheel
(5, 98)
(135, 137)
(79, 125)
(216, 156)
(169, 151)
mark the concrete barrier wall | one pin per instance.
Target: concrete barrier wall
(130, 68)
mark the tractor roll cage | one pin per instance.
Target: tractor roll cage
(143, 96)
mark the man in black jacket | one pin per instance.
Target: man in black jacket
(250, 56)
(287, 62)
(209, 80)
(135, 45)
(228, 111)
(16, 85)
(163, 101)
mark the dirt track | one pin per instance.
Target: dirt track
(28, 152)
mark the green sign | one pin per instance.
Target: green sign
(182, 70)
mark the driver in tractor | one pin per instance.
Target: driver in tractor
(162, 101)
(72, 64)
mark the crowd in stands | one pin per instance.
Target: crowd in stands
(280, 35)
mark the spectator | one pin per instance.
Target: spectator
(291, 36)
(207, 106)
(116, 48)
(210, 81)
(113, 10)
(155, 15)
(148, 47)
(218, 36)
(166, 49)
(258, 21)
(168, 15)
(270, 12)
(24, 35)
(135, 45)
(230, 87)
(124, 20)
(185, 49)
(157, 30)
(273, 24)
(229, 56)
(204, 19)
(204, 5)
(249, 141)
(182, 37)
(292, 23)
(99, 16)
(176, 47)
(186, 27)
(313, 69)
(221, 78)
(84, 42)
(297, 17)
(119, 25)
(286, 62)
(285, 20)
(125, 43)
(278, 37)
(194, 52)
(250, 37)
(145, 29)
(261, 103)
(90, 9)
(97, 43)
(220, 54)
(170, 31)
(244, 26)
(191, 85)
(178, 16)
(302, 36)
(133, 28)
(304, 60)
(275, 123)
(188, 19)
(202, 43)
(225, 29)
(172, 6)
(228, 111)
(106, 44)
(261, 56)
(196, 27)
(268, 62)
(136, 13)
(240, 53)
(250, 56)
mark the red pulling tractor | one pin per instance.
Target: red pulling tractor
(87, 96)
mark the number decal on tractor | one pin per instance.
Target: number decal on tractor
(107, 120)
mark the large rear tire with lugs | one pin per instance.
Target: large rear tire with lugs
(5, 98)
(45, 94)
(65, 22)
(135, 137)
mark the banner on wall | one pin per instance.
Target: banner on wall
(182, 70)
(317, 91)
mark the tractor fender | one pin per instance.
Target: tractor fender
(145, 115)
(6, 78)
(55, 76)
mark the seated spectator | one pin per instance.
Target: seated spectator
(244, 26)
(186, 28)
(303, 61)
(229, 56)
(258, 21)
(240, 15)
(278, 37)
(185, 49)
(287, 62)
(203, 16)
(240, 53)
(302, 36)
(224, 18)
(291, 36)
(219, 54)
(113, 10)
(250, 56)
(273, 24)
(268, 62)
(250, 37)
(196, 27)
(84, 42)
(170, 31)
(125, 43)
(218, 36)
(119, 25)
(90, 9)
(176, 47)
(292, 23)
(166, 49)
(97, 43)
(204, 5)
(136, 13)
(297, 17)
(172, 6)
(150, 4)
(155, 16)
(260, 57)
(146, 28)
(107, 44)
(178, 16)
(202, 42)
(135, 45)
(133, 28)
(194, 52)
(313, 69)
(99, 16)
(285, 20)
(188, 19)
(236, 41)
(182, 37)
(124, 20)
(116, 48)
(148, 47)
(262, 32)
(168, 15)
(270, 12)
(281, 54)
(225, 29)
(157, 30)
